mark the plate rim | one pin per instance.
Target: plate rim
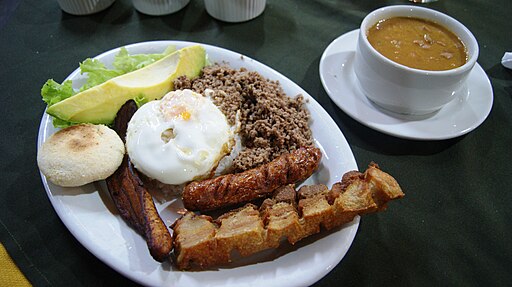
(388, 129)
(59, 206)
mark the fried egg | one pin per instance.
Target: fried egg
(179, 138)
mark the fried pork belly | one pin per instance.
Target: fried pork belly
(132, 199)
(201, 242)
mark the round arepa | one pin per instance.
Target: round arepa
(80, 154)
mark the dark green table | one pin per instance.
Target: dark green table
(453, 227)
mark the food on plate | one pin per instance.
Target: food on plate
(181, 122)
(201, 242)
(133, 201)
(232, 189)
(80, 154)
(271, 122)
(97, 73)
(180, 138)
(99, 104)
(137, 208)
(418, 43)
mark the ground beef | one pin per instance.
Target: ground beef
(271, 122)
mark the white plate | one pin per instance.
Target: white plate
(92, 218)
(456, 118)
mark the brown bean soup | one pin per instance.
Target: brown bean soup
(418, 43)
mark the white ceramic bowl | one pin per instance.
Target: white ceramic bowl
(234, 10)
(405, 90)
(84, 7)
(159, 7)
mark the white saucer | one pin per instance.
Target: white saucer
(457, 118)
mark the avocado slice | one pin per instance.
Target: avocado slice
(99, 104)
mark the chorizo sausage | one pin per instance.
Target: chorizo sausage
(233, 189)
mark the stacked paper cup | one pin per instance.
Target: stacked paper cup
(84, 7)
(159, 7)
(234, 10)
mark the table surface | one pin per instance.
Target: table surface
(452, 228)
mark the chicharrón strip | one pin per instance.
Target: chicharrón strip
(201, 242)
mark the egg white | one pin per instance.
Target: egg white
(178, 138)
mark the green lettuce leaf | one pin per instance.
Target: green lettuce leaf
(53, 92)
(97, 73)
(140, 100)
(125, 63)
(59, 123)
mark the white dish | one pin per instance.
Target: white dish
(92, 218)
(458, 117)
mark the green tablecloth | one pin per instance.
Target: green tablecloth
(452, 228)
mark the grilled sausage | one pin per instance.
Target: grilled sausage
(232, 189)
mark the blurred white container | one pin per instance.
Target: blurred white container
(159, 7)
(84, 7)
(234, 10)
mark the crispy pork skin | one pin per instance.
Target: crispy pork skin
(201, 242)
